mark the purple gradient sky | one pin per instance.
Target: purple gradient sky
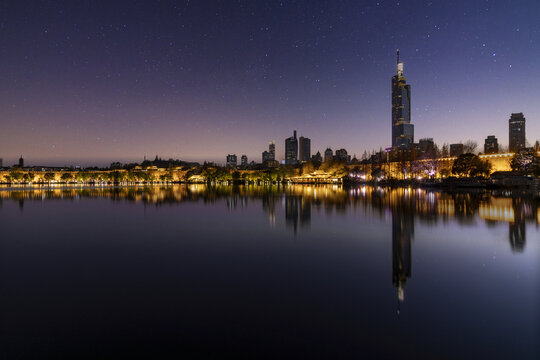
(92, 82)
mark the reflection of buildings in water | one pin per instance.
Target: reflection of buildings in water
(427, 206)
(515, 211)
(297, 210)
(402, 232)
(269, 205)
(516, 228)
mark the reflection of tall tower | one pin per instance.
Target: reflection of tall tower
(402, 231)
(402, 129)
(517, 227)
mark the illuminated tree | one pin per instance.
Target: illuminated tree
(48, 177)
(67, 177)
(526, 161)
(28, 177)
(82, 176)
(16, 175)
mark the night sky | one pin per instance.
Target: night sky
(88, 82)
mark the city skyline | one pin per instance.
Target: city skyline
(99, 83)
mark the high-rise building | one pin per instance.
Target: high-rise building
(402, 129)
(272, 149)
(1, 162)
(244, 160)
(231, 160)
(516, 132)
(328, 154)
(342, 156)
(304, 151)
(291, 150)
(456, 150)
(21, 162)
(269, 155)
(491, 145)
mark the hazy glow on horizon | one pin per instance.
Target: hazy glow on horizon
(97, 82)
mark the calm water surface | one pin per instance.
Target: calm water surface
(300, 271)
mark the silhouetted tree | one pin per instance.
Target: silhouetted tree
(471, 165)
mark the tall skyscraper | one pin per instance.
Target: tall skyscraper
(491, 145)
(402, 129)
(244, 160)
(291, 150)
(304, 152)
(516, 132)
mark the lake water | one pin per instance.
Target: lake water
(269, 272)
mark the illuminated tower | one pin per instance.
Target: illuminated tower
(402, 129)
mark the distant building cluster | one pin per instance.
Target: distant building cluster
(403, 145)
(298, 150)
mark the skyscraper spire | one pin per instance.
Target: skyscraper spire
(399, 64)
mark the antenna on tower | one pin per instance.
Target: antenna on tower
(399, 65)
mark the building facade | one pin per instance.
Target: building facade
(456, 149)
(328, 154)
(269, 155)
(342, 156)
(402, 129)
(317, 158)
(244, 161)
(516, 132)
(491, 145)
(426, 147)
(291, 150)
(231, 160)
(304, 151)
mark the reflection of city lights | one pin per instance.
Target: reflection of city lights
(497, 212)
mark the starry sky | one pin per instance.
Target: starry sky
(89, 82)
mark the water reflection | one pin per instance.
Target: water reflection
(402, 232)
(405, 204)
(326, 270)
